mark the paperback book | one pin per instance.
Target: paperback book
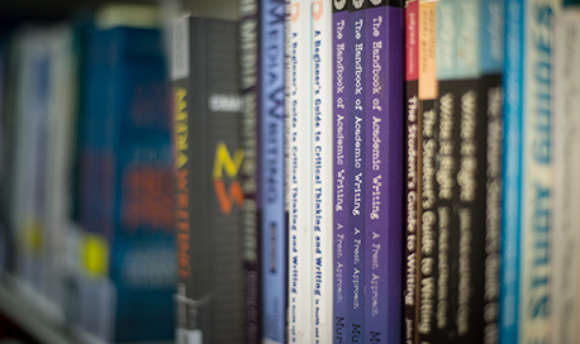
(411, 182)
(211, 290)
(356, 116)
(383, 171)
(249, 179)
(426, 213)
(272, 170)
(342, 76)
(299, 169)
(527, 173)
(566, 225)
(322, 152)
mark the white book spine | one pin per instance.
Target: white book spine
(61, 122)
(322, 154)
(299, 168)
(537, 164)
(565, 220)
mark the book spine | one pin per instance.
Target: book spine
(536, 188)
(468, 225)
(491, 50)
(424, 316)
(412, 177)
(383, 176)
(273, 226)
(356, 219)
(566, 187)
(342, 78)
(193, 314)
(249, 170)
(528, 184)
(444, 222)
(322, 153)
(512, 173)
(299, 122)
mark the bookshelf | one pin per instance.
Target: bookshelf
(28, 312)
(16, 304)
(32, 316)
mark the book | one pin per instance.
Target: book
(412, 178)
(428, 91)
(272, 170)
(322, 152)
(383, 171)
(527, 172)
(127, 240)
(356, 115)
(248, 176)
(43, 112)
(491, 51)
(461, 174)
(565, 265)
(211, 304)
(299, 169)
(60, 134)
(342, 135)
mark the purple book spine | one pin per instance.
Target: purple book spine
(383, 172)
(356, 117)
(342, 136)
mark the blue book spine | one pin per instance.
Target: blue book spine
(274, 233)
(512, 172)
(491, 36)
(343, 236)
(356, 115)
(526, 217)
(129, 144)
(383, 174)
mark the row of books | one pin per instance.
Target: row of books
(87, 198)
(392, 172)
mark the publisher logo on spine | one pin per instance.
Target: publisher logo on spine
(357, 3)
(317, 9)
(376, 2)
(294, 12)
(339, 4)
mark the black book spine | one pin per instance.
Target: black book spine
(249, 173)
(192, 225)
(492, 100)
(425, 297)
(209, 157)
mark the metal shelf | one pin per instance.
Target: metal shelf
(27, 311)
(34, 320)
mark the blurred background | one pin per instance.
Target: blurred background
(86, 191)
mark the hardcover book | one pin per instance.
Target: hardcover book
(527, 173)
(383, 171)
(211, 248)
